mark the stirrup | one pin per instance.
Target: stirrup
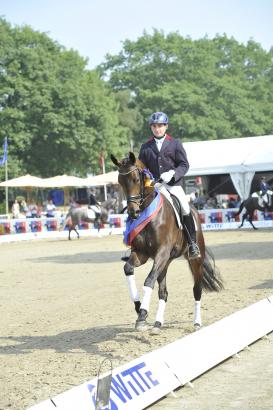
(193, 251)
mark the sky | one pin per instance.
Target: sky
(98, 27)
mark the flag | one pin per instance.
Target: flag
(5, 152)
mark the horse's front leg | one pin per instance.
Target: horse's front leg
(135, 260)
(78, 235)
(158, 267)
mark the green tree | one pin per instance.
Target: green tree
(210, 89)
(57, 115)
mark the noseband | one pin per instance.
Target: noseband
(137, 199)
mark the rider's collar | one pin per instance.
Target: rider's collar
(159, 138)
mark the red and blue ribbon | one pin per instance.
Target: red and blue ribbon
(134, 226)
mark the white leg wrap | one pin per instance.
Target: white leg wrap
(147, 292)
(160, 311)
(197, 312)
(134, 295)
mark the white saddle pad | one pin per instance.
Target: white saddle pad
(260, 199)
(91, 214)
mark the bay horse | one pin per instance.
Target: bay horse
(76, 215)
(162, 240)
(251, 204)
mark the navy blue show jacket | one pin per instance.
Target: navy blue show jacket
(171, 156)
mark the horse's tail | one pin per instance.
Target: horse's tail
(211, 280)
(240, 209)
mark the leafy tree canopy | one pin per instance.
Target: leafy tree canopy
(210, 89)
(57, 115)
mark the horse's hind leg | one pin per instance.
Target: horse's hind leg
(162, 296)
(244, 217)
(250, 221)
(196, 269)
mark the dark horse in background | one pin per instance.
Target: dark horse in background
(76, 215)
(162, 241)
(251, 204)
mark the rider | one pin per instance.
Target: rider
(167, 160)
(94, 204)
(264, 187)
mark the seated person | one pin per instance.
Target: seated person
(32, 210)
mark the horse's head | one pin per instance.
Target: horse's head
(133, 180)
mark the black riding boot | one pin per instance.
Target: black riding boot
(189, 229)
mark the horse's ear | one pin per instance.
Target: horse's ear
(132, 157)
(115, 161)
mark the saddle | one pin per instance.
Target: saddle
(95, 208)
(93, 211)
(261, 200)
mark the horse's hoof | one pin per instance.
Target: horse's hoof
(156, 328)
(197, 326)
(141, 325)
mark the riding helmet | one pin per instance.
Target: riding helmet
(158, 118)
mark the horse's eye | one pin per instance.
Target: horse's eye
(136, 180)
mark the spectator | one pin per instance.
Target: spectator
(231, 203)
(23, 207)
(15, 209)
(50, 209)
(198, 201)
(32, 210)
(211, 203)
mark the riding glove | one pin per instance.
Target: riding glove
(167, 176)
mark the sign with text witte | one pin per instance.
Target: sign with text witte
(143, 381)
(134, 386)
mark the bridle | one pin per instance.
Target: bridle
(140, 198)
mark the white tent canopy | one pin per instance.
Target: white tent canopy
(58, 181)
(102, 179)
(61, 181)
(230, 155)
(25, 181)
(239, 157)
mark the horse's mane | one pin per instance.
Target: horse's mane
(140, 164)
(130, 161)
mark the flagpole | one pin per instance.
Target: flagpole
(7, 192)
(103, 171)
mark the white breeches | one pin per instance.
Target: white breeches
(178, 191)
